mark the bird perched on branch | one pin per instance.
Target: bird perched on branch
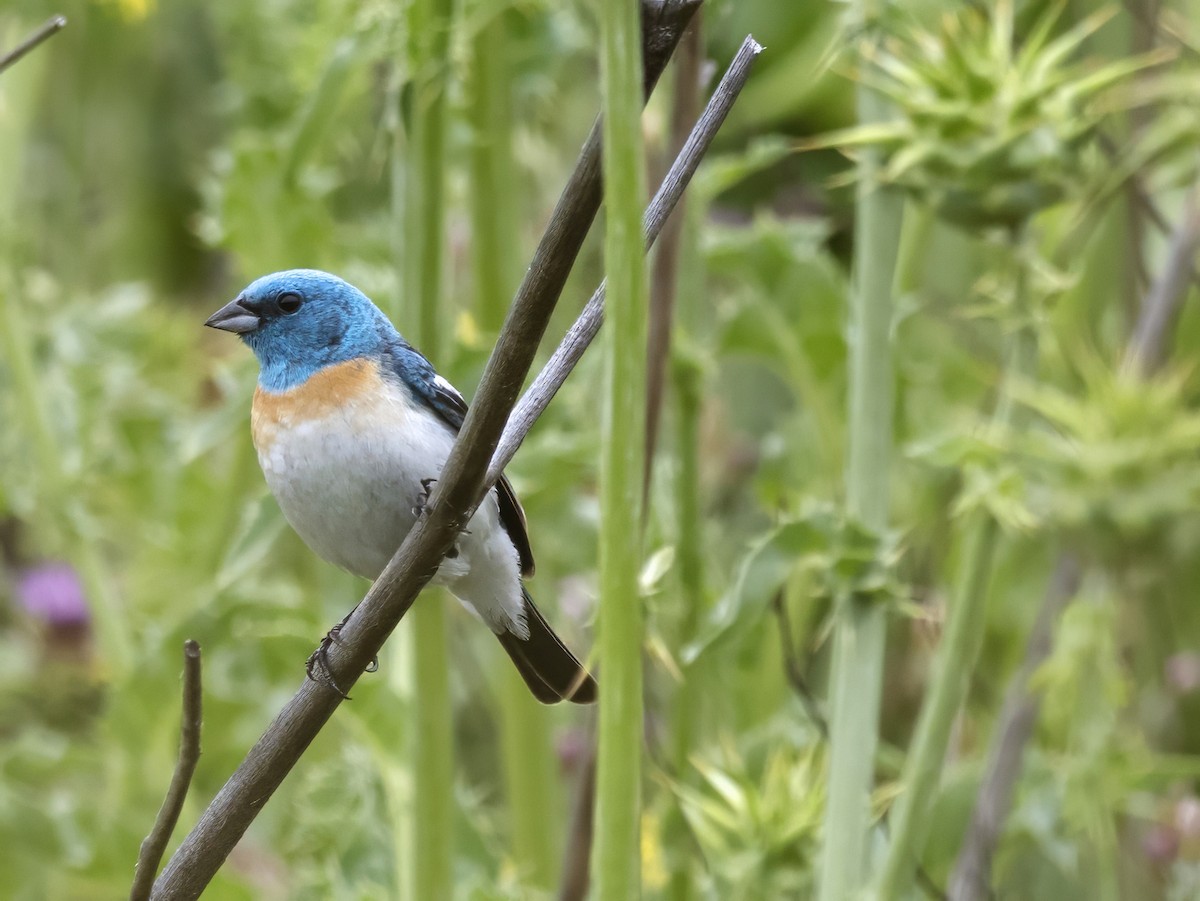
(352, 425)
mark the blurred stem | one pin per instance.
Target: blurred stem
(423, 169)
(528, 772)
(617, 843)
(420, 273)
(965, 624)
(1018, 717)
(528, 755)
(433, 807)
(686, 380)
(685, 106)
(858, 650)
(493, 171)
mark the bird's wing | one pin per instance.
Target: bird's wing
(452, 410)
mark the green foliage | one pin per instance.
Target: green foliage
(988, 133)
(155, 157)
(757, 820)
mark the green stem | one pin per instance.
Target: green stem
(963, 636)
(429, 24)
(419, 261)
(494, 248)
(687, 384)
(433, 765)
(858, 648)
(526, 744)
(532, 795)
(617, 845)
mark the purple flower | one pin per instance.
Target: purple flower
(52, 593)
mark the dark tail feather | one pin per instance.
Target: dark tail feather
(548, 668)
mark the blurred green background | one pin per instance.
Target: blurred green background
(157, 156)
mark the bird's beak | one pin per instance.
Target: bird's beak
(234, 317)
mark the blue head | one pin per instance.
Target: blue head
(303, 320)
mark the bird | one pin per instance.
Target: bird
(352, 425)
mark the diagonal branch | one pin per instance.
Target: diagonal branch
(48, 29)
(155, 843)
(458, 491)
(1018, 717)
(1148, 345)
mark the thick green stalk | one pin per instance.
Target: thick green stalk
(529, 768)
(420, 262)
(494, 248)
(617, 845)
(962, 638)
(429, 23)
(495, 257)
(858, 649)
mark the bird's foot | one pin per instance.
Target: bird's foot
(317, 666)
(422, 506)
(422, 509)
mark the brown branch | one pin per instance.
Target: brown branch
(458, 491)
(1018, 717)
(664, 277)
(155, 843)
(577, 862)
(48, 29)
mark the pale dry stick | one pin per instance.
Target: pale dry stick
(458, 491)
(155, 843)
(48, 29)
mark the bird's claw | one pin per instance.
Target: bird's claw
(422, 507)
(317, 666)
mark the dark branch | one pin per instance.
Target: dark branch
(189, 754)
(664, 277)
(459, 490)
(50, 28)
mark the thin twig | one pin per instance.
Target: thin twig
(458, 491)
(793, 669)
(151, 852)
(577, 862)
(972, 872)
(1147, 347)
(586, 327)
(664, 276)
(48, 29)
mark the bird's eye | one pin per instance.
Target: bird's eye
(290, 303)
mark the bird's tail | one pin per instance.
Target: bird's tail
(550, 670)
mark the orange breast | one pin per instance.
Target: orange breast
(335, 389)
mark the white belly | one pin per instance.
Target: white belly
(349, 483)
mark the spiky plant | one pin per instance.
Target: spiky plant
(987, 132)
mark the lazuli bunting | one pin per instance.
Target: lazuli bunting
(351, 425)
